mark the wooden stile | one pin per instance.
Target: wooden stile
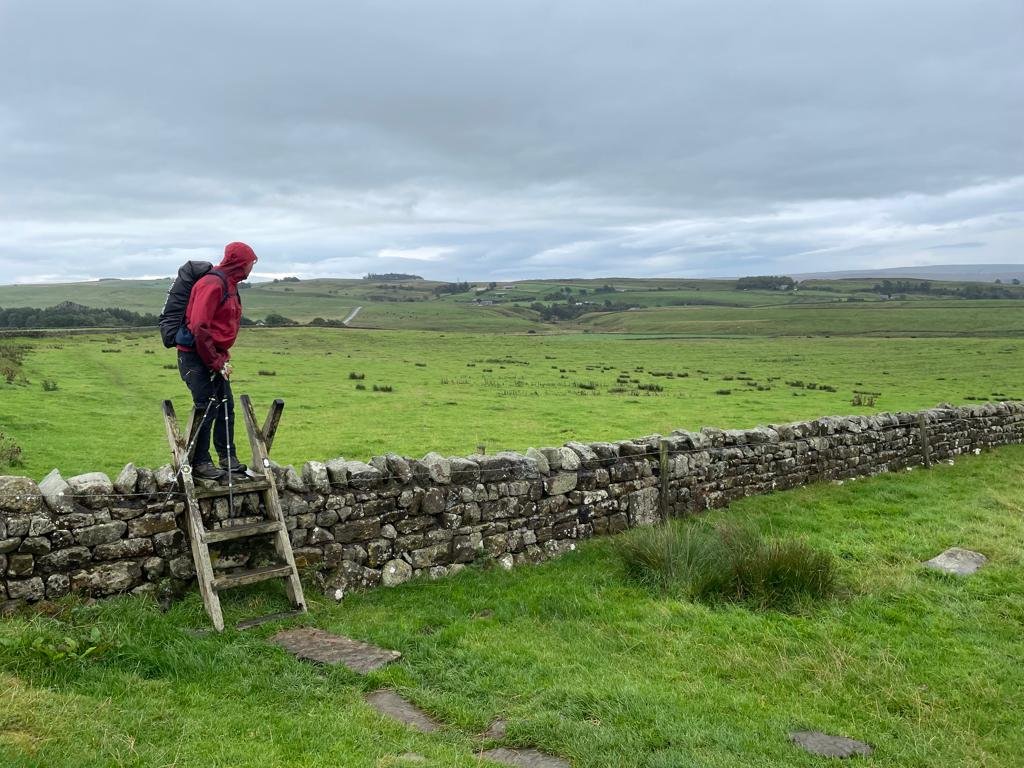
(260, 440)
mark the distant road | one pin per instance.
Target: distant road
(351, 316)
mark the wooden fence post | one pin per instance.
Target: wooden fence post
(663, 478)
(926, 450)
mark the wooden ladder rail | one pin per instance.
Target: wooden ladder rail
(197, 532)
(260, 440)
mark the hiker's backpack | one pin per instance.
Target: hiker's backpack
(173, 329)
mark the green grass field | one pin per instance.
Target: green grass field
(454, 391)
(693, 307)
(580, 661)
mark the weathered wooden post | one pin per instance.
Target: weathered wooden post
(663, 471)
(926, 450)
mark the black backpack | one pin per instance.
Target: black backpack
(172, 319)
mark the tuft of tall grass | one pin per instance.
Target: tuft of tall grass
(672, 557)
(727, 562)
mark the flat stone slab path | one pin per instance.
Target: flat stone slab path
(324, 648)
(818, 743)
(961, 562)
(525, 758)
(394, 706)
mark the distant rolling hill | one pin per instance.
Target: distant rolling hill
(619, 305)
(980, 273)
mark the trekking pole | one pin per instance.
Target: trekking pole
(227, 439)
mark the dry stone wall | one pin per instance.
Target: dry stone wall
(354, 524)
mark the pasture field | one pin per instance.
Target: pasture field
(661, 305)
(581, 661)
(452, 392)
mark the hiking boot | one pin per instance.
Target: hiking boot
(207, 471)
(237, 467)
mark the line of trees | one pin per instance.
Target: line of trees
(385, 276)
(570, 310)
(968, 291)
(765, 283)
(71, 315)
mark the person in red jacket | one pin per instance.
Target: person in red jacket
(213, 316)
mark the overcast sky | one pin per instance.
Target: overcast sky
(501, 139)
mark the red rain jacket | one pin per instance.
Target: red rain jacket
(212, 319)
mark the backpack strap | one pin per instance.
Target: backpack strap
(224, 283)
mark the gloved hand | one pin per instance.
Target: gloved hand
(225, 370)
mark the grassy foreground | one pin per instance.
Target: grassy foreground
(581, 662)
(454, 391)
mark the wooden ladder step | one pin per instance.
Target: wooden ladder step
(239, 486)
(241, 578)
(242, 531)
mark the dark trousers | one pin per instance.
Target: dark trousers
(196, 375)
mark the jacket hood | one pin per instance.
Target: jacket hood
(238, 257)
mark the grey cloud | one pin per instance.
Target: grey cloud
(525, 137)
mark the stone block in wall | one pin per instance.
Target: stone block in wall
(124, 548)
(316, 477)
(10, 544)
(438, 554)
(92, 489)
(168, 543)
(35, 545)
(554, 457)
(465, 549)
(606, 452)
(357, 530)
(151, 524)
(57, 585)
(19, 496)
(568, 460)
(182, 567)
(29, 590)
(361, 475)
(410, 501)
(464, 471)
(166, 478)
(587, 455)
(57, 493)
(561, 483)
(505, 466)
(395, 572)
(292, 480)
(337, 472)
(146, 481)
(628, 448)
(63, 560)
(543, 466)
(126, 479)
(125, 512)
(398, 468)
(20, 565)
(437, 468)
(378, 552)
(101, 534)
(107, 579)
(643, 507)
(432, 502)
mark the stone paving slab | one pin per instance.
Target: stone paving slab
(961, 562)
(496, 731)
(818, 743)
(325, 648)
(525, 758)
(392, 705)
